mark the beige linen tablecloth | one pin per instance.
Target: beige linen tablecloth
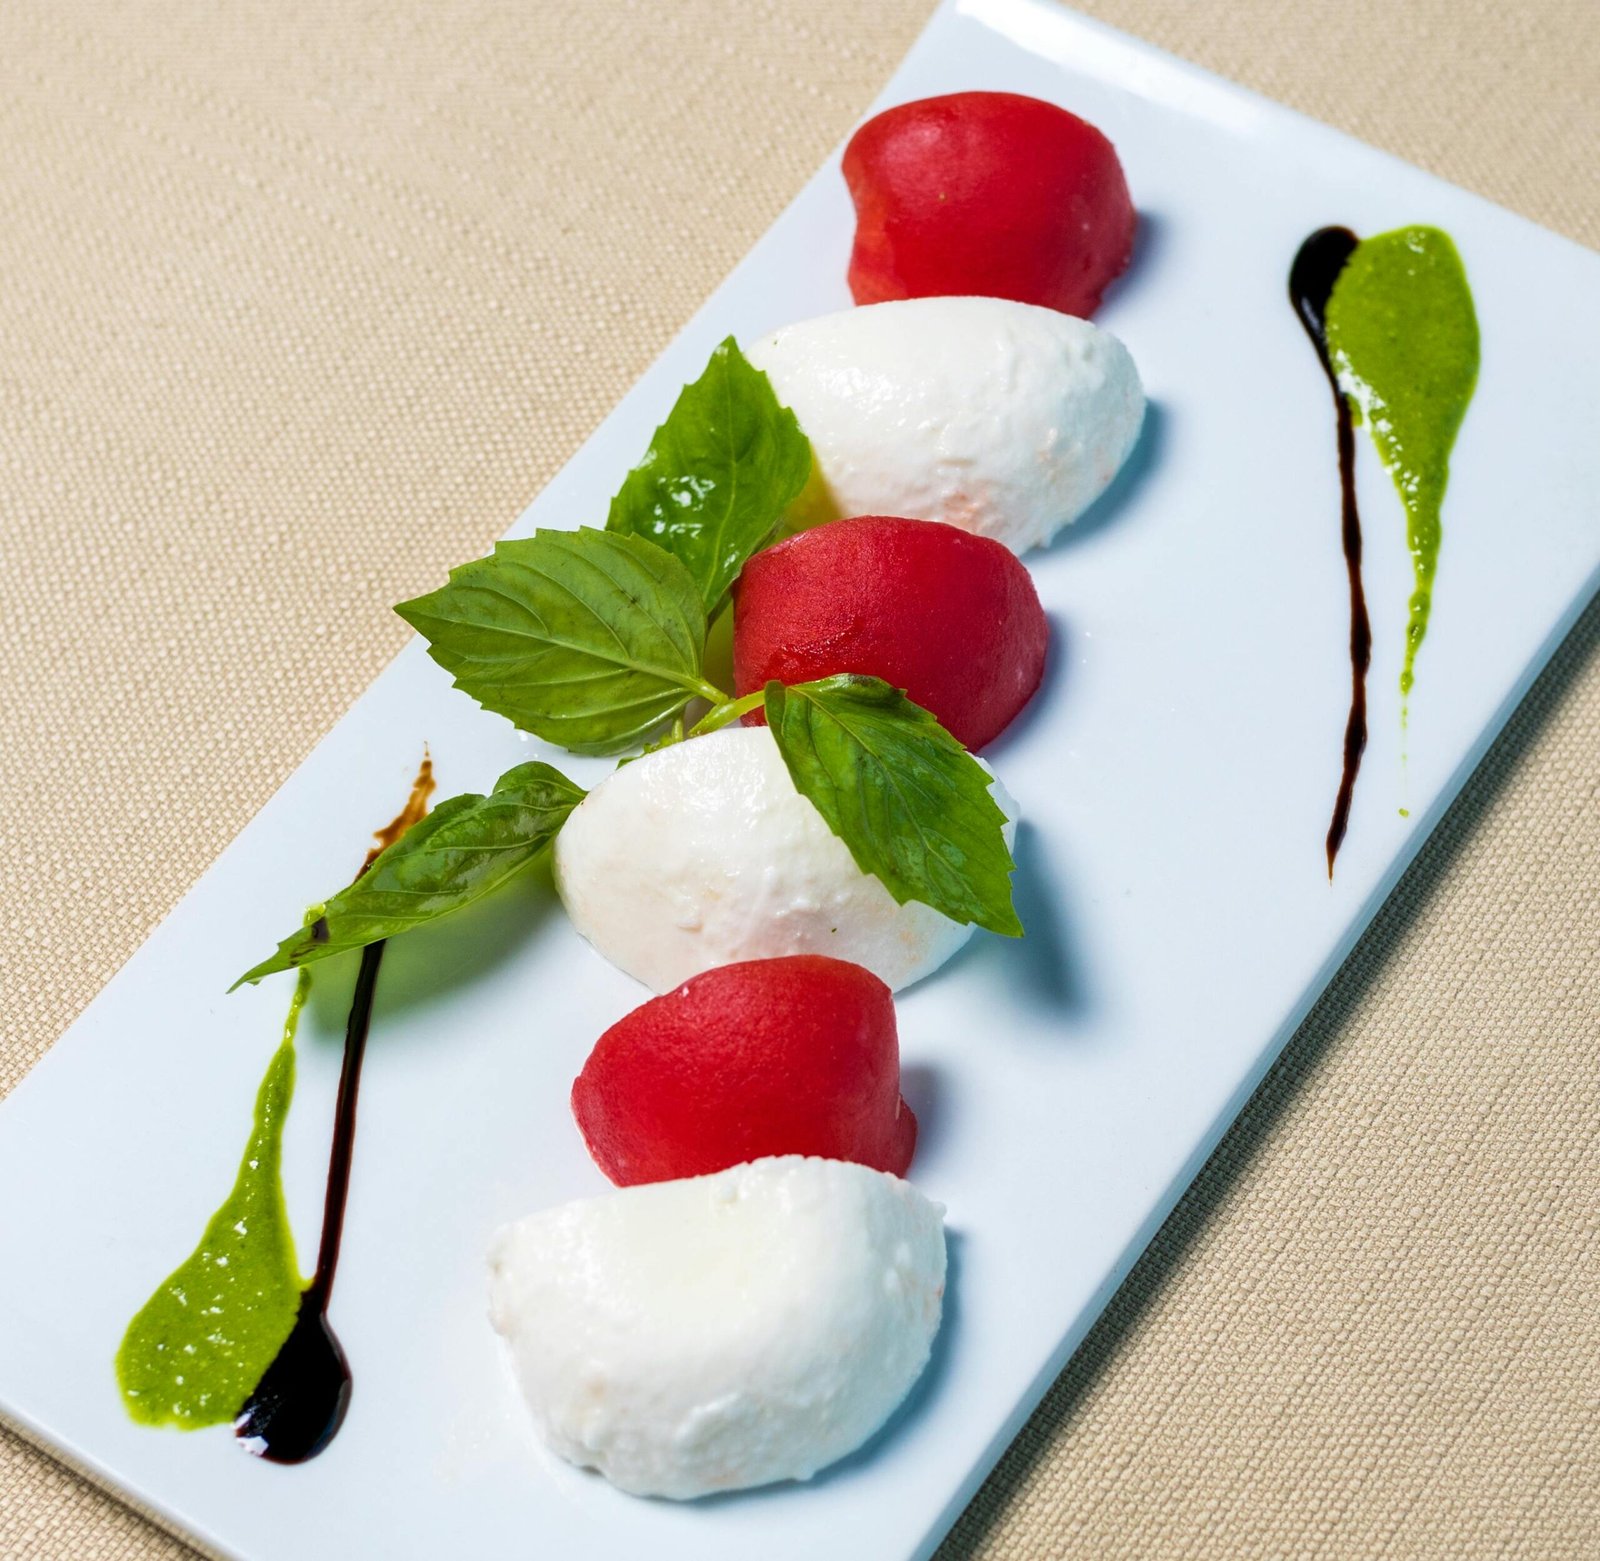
(301, 301)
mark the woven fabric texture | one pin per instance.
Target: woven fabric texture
(299, 300)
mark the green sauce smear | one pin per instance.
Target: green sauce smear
(199, 1345)
(1403, 337)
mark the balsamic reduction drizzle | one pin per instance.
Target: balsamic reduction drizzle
(299, 1404)
(1316, 268)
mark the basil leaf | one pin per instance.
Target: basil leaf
(458, 853)
(589, 639)
(718, 475)
(911, 803)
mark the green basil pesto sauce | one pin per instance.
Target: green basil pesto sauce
(1403, 337)
(198, 1346)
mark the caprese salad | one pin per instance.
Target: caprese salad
(779, 850)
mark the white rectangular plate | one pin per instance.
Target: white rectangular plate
(1175, 774)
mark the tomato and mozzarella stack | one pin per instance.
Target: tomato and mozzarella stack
(763, 1290)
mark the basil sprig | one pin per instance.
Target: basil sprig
(463, 850)
(910, 802)
(594, 640)
(718, 476)
(589, 639)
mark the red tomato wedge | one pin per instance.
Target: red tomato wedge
(989, 193)
(950, 617)
(769, 1057)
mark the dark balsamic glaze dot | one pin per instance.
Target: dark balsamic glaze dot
(300, 1402)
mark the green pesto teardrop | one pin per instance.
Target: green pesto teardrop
(196, 1349)
(1403, 337)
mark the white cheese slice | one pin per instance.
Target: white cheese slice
(726, 1331)
(1002, 418)
(704, 854)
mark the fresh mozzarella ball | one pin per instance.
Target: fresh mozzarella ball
(722, 1332)
(998, 417)
(704, 854)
